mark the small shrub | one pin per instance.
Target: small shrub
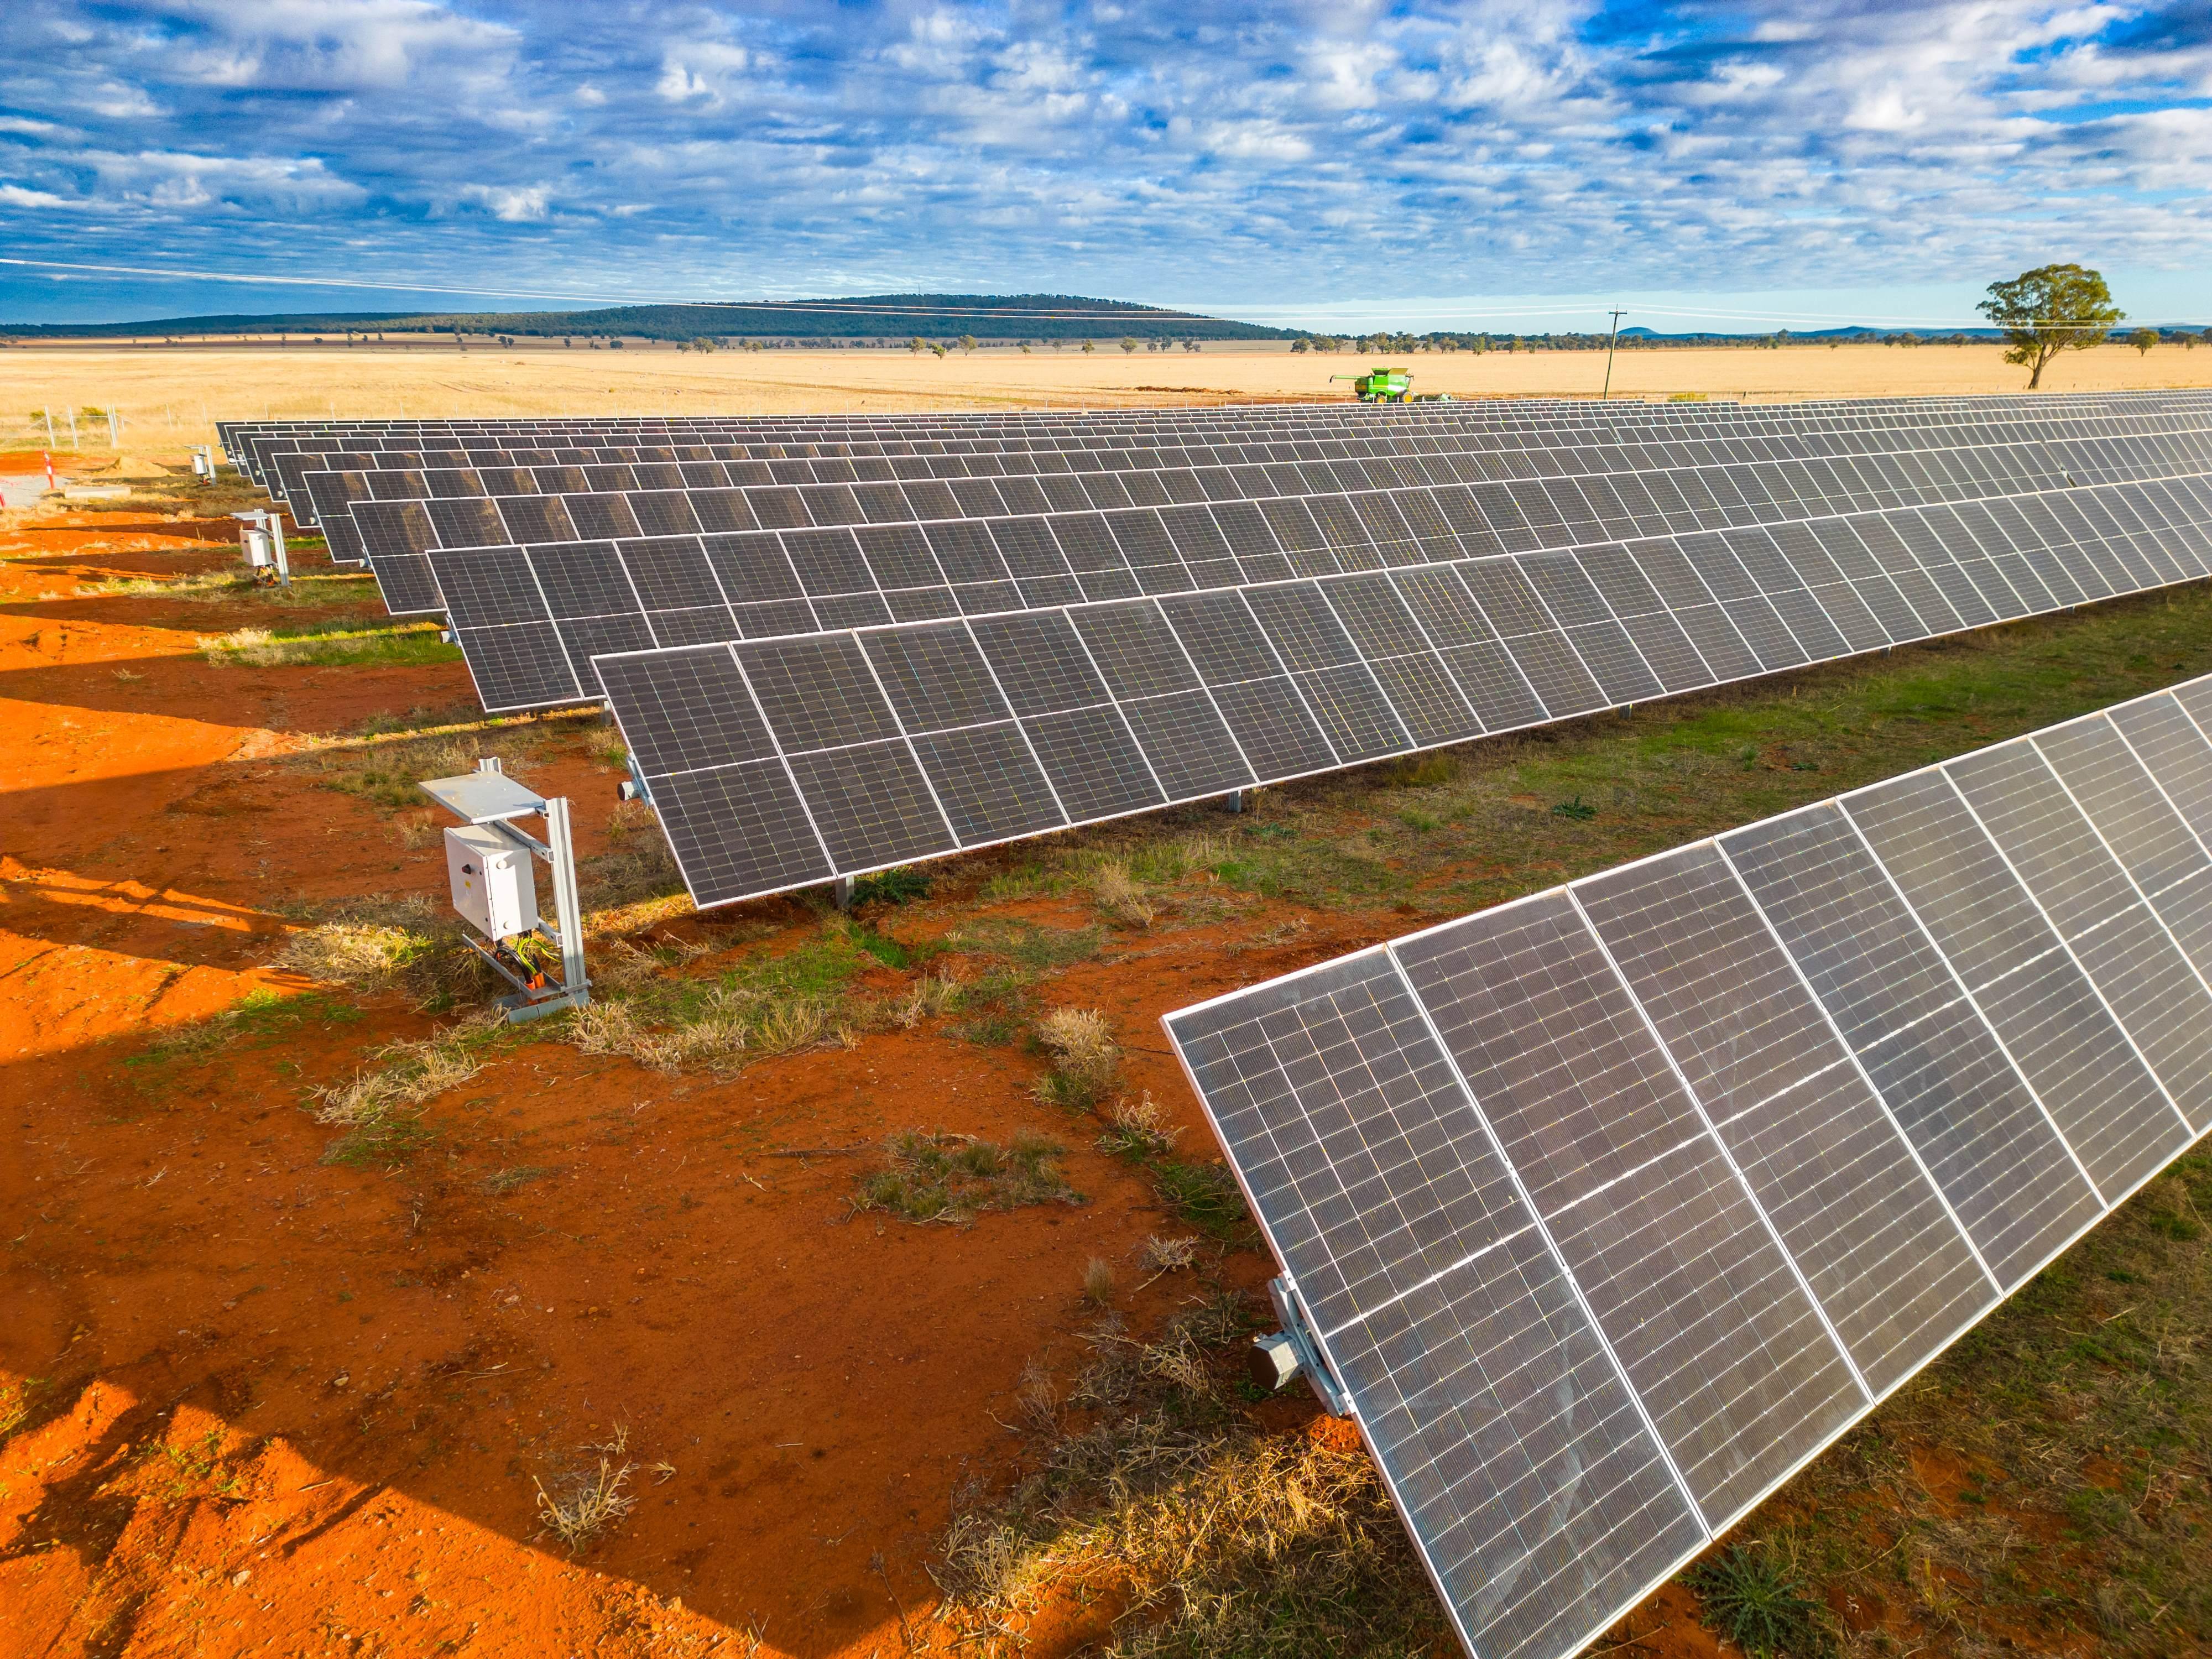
(891, 887)
(1753, 1596)
(1578, 809)
(1170, 1255)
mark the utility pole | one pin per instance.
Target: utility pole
(1613, 341)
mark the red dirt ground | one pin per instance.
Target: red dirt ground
(280, 1404)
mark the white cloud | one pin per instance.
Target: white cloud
(16, 196)
(514, 205)
(705, 71)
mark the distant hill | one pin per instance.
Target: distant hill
(994, 317)
(990, 319)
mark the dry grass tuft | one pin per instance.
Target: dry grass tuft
(1085, 1059)
(725, 1026)
(623, 964)
(1120, 896)
(1168, 1255)
(588, 1502)
(380, 1105)
(931, 995)
(1099, 1282)
(1217, 1540)
(603, 743)
(1136, 1130)
(384, 945)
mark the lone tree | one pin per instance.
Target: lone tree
(2144, 339)
(2051, 309)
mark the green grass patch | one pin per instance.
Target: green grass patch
(317, 589)
(333, 642)
(1204, 1194)
(993, 1010)
(259, 1019)
(1026, 945)
(389, 774)
(766, 1003)
(949, 1177)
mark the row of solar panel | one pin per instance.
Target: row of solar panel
(776, 762)
(1505, 428)
(1611, 1206)
(1503, 411)
(1978, 460)
(1352, 527)
(1079, 449)
(340, 477)
(529, 619)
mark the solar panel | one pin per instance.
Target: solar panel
(1606, 1209)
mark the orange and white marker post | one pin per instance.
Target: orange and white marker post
(48, 456)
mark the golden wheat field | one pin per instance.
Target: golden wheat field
(172, 395)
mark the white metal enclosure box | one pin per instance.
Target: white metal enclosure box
(495, 889)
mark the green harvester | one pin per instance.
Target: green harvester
(1379, 385)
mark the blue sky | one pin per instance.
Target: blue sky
(1523, 164)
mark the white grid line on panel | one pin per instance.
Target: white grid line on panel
(2142, 899)
(1974, 1003)
(2066, 944)
(1711, 1133)
(1858, 1065)
(1544, 1231)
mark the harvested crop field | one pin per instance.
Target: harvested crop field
(172, 394)
(840, 1285)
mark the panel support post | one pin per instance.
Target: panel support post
(567, 902)
(841, 893)
(1233, 801)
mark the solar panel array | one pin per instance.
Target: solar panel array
(937, 633)
(780, 761)
(1608, 1208)
(393, 518)
(1404, 489)
(727, 576)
